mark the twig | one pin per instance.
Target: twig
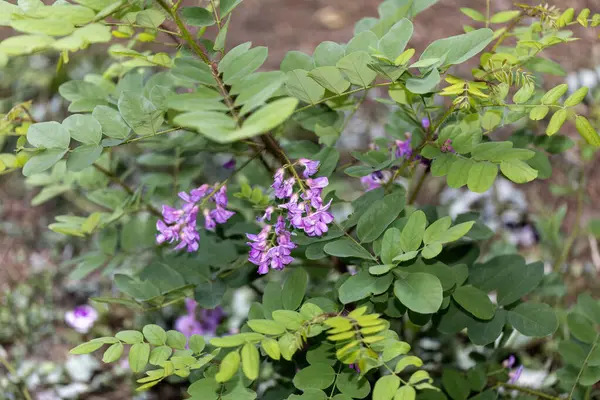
(526, 390)
(342, 95)
(126, 187)
(507, 32)
(419, 186)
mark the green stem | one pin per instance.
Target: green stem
(507, 32)
(342, 95)
(137, 139)
(576, 226)
(13, 372)
(583, 366)
(527, 391)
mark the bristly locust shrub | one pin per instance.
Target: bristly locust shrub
(335, 290)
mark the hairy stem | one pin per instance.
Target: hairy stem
(583, 366)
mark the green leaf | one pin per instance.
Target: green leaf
(424, 84)
(227, 6)
(456, 232)
(518, 171)
(364, 41)
(244, 64)
(347, 248)
(393, 43)
(296, 60)
(536, 320)
(351, 384)
(111, 122)
(390, 246)
(572, 353)
(271, 347)
(266, 326)
(590, 307)
(113, 353)
(581, 327)
(193, 70)
(155, 335)
(458, 174)
(556, 122)
(130, 337)
(458, 49)
(538, 113)
(176, 340)
(42, 161)
(229, 366)
(474, 301)
(222, 36)
(554, 94)
(455, 384)
(524, 94)
(585, 129)
(473, 14)
(236, 340)
(262, 121)
(419, 292)
(302, 87)
(385, 387)
(197, 16)
(159, 355)
(83, 156)
(523, 281)
(86, 348)
(48, 135)
(250, 361)
(256, 89)
(483, 333)
(138, 356)
(327, 54)
(405, 393)
(413, 232)
(504, 16)
(379, 216)
(315, 376)
(355, 66)
(197, 344)
(330, 78)
(139, 113)
(294, 288)
(84, 128)
(482, 176)
(362, 285)
(434, 232)
(431, 250)
(577, 97)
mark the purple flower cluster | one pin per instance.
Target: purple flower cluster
(179, 225)
(190, 325)
(304, 209)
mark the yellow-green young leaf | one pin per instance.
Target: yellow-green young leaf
(288, 346)
(473, 14)
(250, 361)
(504, 16)
(518, 171)
(576, 97)
(197, 344)
(229, 366)
(86, 348)
(394, 350)
(386, 387)
(587, 131)
(404, 57)
(271, 347)
(266, 326)
(155, 335)
(482, 176)
(524, 94)
(130, 337)
(538, 113)
(236, 340)
(566, 17)
(176, 340)
(405, 393)
(341, 336)
(456, 232)
(373, 329)
(160, 354)
(556, 122)
(113, 353)
(408, 361)
(138, 356)
(554, 94)
(582, 18)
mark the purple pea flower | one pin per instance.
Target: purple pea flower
(81, 318)
(267, 215)
(447, 147)
(229, 164)
(426, 123)
(221, 215)
(316, 223)
(310, 167)
(515, 375)
(403, 148)
(375, 180)
(209, 221)
(221, 197)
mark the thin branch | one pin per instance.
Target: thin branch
(583, 366)
(342, 95)
(419, 186)
(527, 391)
